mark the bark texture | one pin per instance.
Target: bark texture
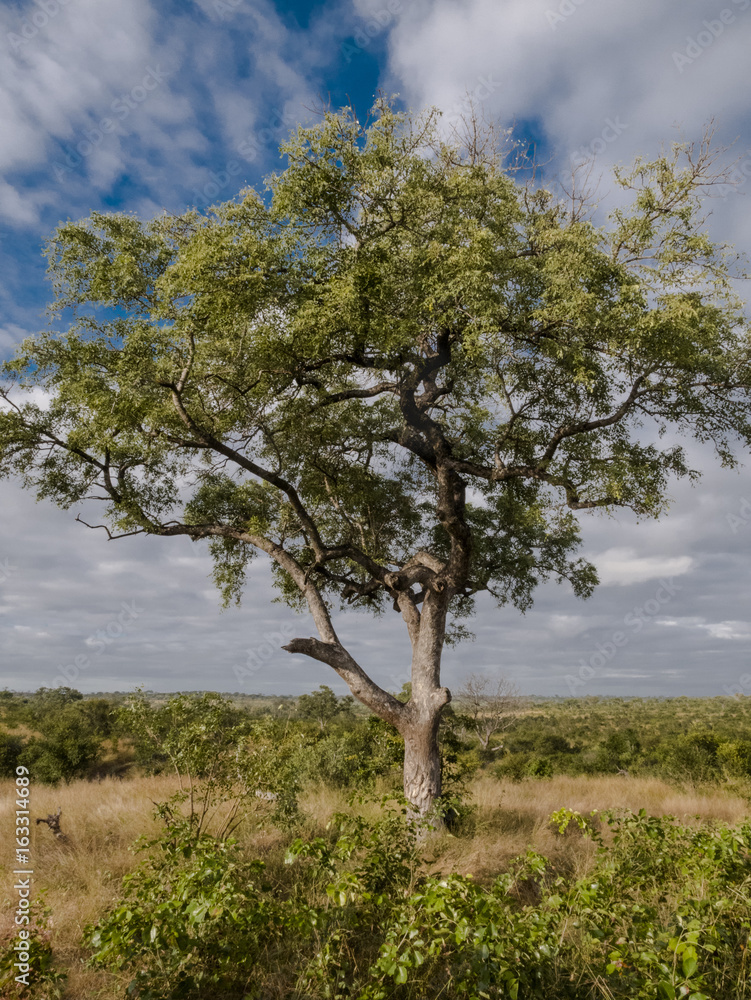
(422, 767)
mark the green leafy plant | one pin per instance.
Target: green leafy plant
(45, 980)
(194, 920)
(663, 912)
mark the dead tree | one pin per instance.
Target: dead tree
(489, 705)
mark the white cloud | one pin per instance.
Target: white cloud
(622, 567)
(10, 336)
(728, 630)
(100, 93)
(568, 625)
(572, 72)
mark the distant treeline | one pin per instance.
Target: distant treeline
(61, 734)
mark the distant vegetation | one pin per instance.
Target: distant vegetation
(276, 860)
(60, 735)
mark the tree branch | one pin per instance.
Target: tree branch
(361, 686)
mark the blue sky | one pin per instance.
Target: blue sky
(142, 106)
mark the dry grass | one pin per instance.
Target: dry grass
(81, 879)
(512, 816)
(540, 798)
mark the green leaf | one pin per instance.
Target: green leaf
(689, 965)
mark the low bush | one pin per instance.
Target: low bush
(664, 913)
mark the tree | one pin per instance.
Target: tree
(490, 705)
(11, 747)
(221, 759)
(67, 750)
(322, 705)
(46, 703)
(400, 376)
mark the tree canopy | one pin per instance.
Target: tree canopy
(400, 373)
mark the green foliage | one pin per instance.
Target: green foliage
(10, 752)
(679, 739)
(101, 714)
(68, 749)
(192, 734)
(692, 756)
(219, 755)
(618, 751)
(45, 981)
(323, 706)
(664, 912)
(194, 922)
(735, 758)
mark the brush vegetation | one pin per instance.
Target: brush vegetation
(216, 864)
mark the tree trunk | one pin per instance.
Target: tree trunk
(422, 757)
(418, 720)
(422, 766)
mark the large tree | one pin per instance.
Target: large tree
(399, 374)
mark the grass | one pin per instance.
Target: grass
(81, 879)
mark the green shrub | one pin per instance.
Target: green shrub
(10, 752)
(514, 766)
(540, 767)
(351, 758)
(68, 749)
(735, 758)
(619, 751)
(664, 913)
(691, 756)
(194, 922)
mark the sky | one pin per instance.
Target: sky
(142, 106)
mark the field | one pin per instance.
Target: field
(327, 892)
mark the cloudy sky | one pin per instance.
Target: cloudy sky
(142, 106)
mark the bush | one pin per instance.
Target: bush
(514, 766)
(351, 759)
(540, 767)
(67, 751)
(691, 756)
(735, 758)
(663, 913)
(194, 922)
(10, 752)
(619, 751)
